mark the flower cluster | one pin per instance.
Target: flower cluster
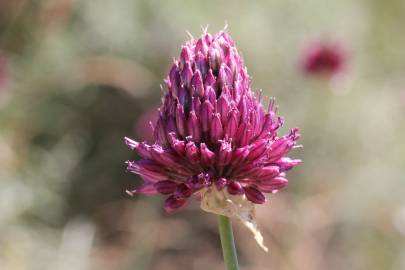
(212, 131)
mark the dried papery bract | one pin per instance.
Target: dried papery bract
(213, 136)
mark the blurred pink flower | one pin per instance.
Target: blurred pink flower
(4, 72)
(324, 58)
(213, 134)
(402, 97)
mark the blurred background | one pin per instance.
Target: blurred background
(77, 76)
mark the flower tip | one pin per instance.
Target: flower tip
(130, 193)
(130, 143)
(298, 146)
(294, 134)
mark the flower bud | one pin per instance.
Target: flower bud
(194, 127)
(216, 130)
(254, 195)
(206, 115)
(235, 188)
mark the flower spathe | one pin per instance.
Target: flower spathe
(213, 136)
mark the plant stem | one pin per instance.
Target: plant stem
(228, 244)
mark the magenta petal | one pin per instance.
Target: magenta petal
(214, 58)
(243, 134)
(183, 96)
(183, 191)
(240, 154)
(196, 105)
(232, 125)
(160, 132)
(197, 84)
(225, 76)
(286, 163)
(272, 185)
(249, 171)
(206, 115)
(267, 128)
(210, 94)
(280, 148)
(192, 152)
(210, 79)
(243, 109)
(174, 78)
(269, 172)
(185, 55)
(258, 148)
(163, 156)
(180, 120)
(141, 148)
(207, 156)
(131, 143)
(225, 154)
(216, 131)
(146, 189)
(173, 203)
(193, 126)
(187, 74)
(223, 109)
(165, 186)
(201, 46)
(148, 169)
(177, 145)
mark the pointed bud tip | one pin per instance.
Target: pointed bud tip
(130, 193)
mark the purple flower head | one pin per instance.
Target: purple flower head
(324, 58)
(213, 134)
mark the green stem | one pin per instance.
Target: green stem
(228, 244)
